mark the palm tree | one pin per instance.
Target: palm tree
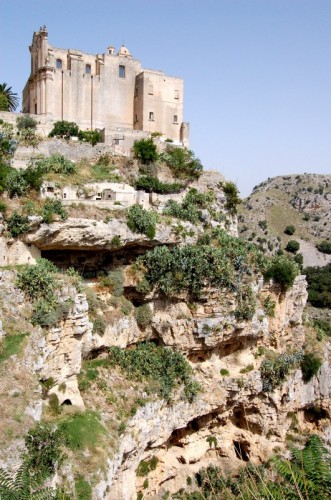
(6, 94)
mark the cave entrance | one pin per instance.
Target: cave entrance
(66, 402)
(241, 450)
(91, 263)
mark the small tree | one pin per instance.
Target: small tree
(283, 271)
(182, 162)
(145, 150)
(292, 246)
(26, 121)
(289, 230)
(64, 129)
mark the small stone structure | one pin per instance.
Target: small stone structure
(111, 193)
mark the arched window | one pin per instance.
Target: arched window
(88, 69)
(58, 64)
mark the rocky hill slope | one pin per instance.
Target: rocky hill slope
(302, 201)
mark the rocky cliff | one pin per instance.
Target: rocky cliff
(193, 290)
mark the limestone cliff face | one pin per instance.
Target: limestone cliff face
(233, 409)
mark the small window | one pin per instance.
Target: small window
(150, 89)
(121, 71)
(88, 69)
(151, 116)
(175, 119)
(58, 64)
(176, 94)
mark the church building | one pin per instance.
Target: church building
(110, 91)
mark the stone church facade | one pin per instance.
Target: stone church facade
(108, 91)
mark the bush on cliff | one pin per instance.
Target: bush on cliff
(142, 221)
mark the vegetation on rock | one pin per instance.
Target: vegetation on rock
(142, 221)
(182, 162)
(162, 367)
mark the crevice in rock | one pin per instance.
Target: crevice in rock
(241, 449)
(240, 419)
(193, 426)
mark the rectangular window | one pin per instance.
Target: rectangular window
(151, 116)
(88, 69)
(176, 94)
(175, 119)
(121, 71)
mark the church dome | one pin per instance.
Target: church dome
(124, 51)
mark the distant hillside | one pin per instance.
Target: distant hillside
(302, 201)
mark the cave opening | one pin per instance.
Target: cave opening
(66, 402)
(314, 414)
(241, 450)
(92, 263)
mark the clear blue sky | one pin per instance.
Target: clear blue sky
(257, 72)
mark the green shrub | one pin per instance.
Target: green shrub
(99, 325)
(145, 150)
(28, 137)
(38, 281)
(64, 129)
(310, 365)
(292, 246)
(269, 306)
(152, 184)
(289, 230)
(44, 449)
(163, 368)
(182, 162)
(146, 466)
(274, 371)
(324, 247)
(48, 313)
(142, 221)
(54, 404)
(224, 372)
(143, 315)
(51, 208)
(56, 164)
(114, 281)
(91, 136)
(232, 197)
(263, 224)
(26, 122)
(17, 224)
(16, 183)
(323, 326)
(283, 271)
(194, 267)
(319, 285)
(190, 208)
(246, 304)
